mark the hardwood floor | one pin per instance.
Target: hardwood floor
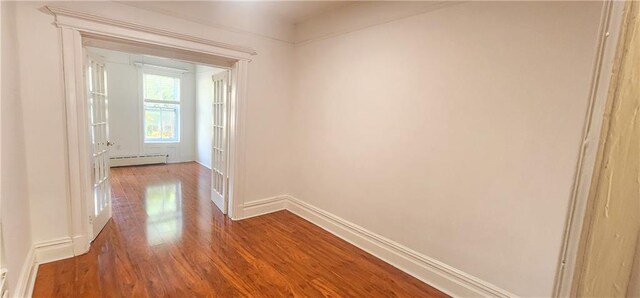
(167, 238)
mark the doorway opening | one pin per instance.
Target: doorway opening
(146, 109)
(79, 30)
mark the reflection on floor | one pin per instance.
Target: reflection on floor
(167, 238)
(163, 203)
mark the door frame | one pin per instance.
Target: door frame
(76, 27)
(617, 94)
(606, 48)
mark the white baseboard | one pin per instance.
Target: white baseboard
(27, 277)
(435, 273)
(264, 206)
(43, 252)
(80, 245)
(53, 250)
(32, 280)
(206, 166)
(181, 161)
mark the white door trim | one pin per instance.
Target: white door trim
(109, 27)
(610, 24)
(74, 27)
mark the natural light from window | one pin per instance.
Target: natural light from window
(163, 204)
(161, 108)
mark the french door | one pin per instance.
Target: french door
(219, 141)
(100, 205)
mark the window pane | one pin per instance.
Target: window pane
(168, 124)
(158, 87)
(161, 122)
(152, 123)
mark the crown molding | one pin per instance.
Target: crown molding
(65, 16)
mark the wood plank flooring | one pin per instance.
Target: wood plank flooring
(167, 238)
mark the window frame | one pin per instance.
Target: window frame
(161, 71)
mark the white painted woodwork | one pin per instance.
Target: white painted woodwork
(608, 36)
(612, 222)
(105, 28)
(97, 101)
(220, 86)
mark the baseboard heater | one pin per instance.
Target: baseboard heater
(136, 160)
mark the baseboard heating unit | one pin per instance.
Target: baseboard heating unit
(136, 160)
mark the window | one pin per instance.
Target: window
(161, 94)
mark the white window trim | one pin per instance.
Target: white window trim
(161, 71)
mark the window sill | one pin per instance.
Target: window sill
(161, 142)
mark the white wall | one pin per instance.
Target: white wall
(454, 133)
(125, 108)
(358, 15)
(16, 225)
(40, 65)
(204, 113)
